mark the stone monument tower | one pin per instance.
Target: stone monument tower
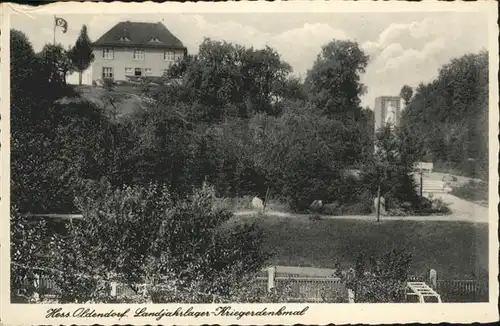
(387, 111)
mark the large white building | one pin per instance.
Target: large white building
(132, 49)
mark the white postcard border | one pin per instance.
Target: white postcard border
(12, 314)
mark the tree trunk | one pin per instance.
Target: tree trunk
(79, 78)
(265, 199)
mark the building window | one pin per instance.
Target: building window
(128, 71)
(138, 72)
(108, 54)
(138, 54)
(148, 71)
(107, 72)
(169, 55)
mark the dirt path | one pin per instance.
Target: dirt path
(462, 211)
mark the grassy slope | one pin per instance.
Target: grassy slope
(129, 104)
(457, 250)
(473, 191)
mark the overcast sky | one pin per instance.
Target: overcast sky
(404, 48)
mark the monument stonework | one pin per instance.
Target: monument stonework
(387, 111)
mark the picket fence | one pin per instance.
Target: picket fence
(314, 289)
(463, 290)
(298, 289)
(310, 289)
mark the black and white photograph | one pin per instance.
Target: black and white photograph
(279, 158)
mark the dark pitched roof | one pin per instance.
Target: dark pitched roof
(154, 35)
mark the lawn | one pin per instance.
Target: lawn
(474, 191)
(456, 250)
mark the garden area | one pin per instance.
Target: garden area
(157, 181)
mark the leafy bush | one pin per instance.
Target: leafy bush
(145, 86)
(439, 206)
(25, 238)
(314, 217)
(235, 204)
(372, 289)
(252, 290)
(360, 202)
(425, 206)
(330, 296)
(380, 279)
(139, 234)
(108, 83)
(361, 208)
(302, 155)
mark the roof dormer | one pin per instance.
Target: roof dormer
(155, 40)
(139, 34)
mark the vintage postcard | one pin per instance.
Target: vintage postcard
(249, 163)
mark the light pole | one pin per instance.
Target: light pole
(378, 203)
(421, 182)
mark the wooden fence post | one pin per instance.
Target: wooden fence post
(350, 295)
(36, 281)
(433, 278)
(113, 289)
(270, 277)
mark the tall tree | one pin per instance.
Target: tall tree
(24, 80)
(333, 83)
(23, 62)
(406, 94)
(451, 112)
(230, 80)
(55, 63)
(81, 54)
(388, 172)
(33, 179)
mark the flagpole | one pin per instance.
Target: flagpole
(52, 77)
(54, 30)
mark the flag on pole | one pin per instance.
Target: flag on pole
(61, 22)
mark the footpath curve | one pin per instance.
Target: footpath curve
(462, 211)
